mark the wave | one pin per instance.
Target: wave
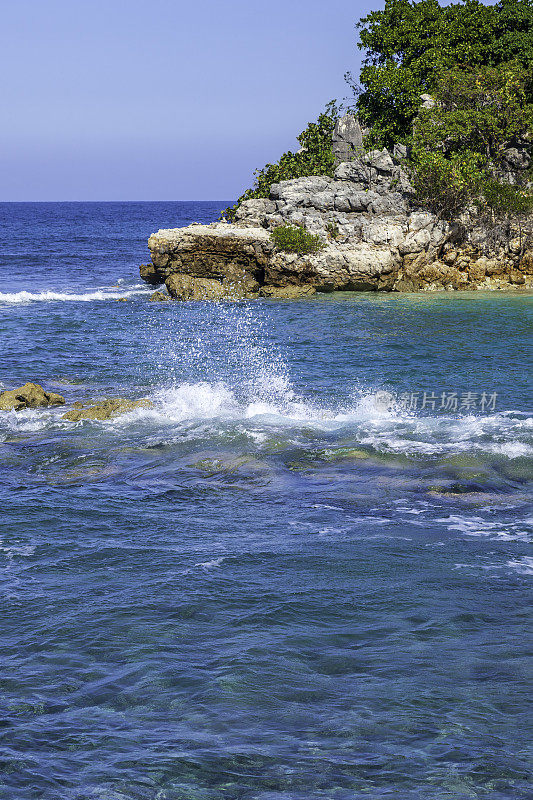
(257, 410)
(387, 428)
(48, 295)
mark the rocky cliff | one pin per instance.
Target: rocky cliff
(376, 239)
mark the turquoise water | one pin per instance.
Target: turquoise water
(287, 579)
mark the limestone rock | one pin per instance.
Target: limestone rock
(149, 274)
(347, 139)
(208, 251)
(254, 211)
(159, 297)
(376, 238)
(183, 287)
(289, 292)
(105, 409)
(31, 395)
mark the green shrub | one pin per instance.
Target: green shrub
(505, 200)
(505, 205)
(446, 184)
(294, 239)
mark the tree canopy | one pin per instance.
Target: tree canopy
(476, 60)
(409, 45)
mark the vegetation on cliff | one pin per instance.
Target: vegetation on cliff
(410, 45)
(475, 61)
(295, 239)
(461, 145)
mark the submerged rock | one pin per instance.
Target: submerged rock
(105, 409)
(31, 395)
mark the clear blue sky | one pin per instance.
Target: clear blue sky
(162, 99)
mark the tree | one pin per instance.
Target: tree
(410, 44)
(459, 146)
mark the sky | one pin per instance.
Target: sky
(163, 99)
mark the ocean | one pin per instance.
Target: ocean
(304, 572)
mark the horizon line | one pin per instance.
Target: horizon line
(115, 201)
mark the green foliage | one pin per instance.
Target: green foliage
(295, 239)
(314, 158)
(505, 200)
(410, 44)
(444, 184)
(458, 145)
(479, 110)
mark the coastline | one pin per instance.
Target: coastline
(371, 234)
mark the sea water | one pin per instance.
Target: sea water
(303, 572)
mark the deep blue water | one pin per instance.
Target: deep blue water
(282, 582)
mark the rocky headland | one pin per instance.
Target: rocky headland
(376, 238)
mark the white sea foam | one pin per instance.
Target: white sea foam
(191, 402)
(214, 562)
(386, 429)
(11, 551)
(49, 295)
(480, 527)
(524, 565)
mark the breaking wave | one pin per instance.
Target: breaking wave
(49, 295)
(278, 408)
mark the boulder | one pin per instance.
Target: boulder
(184, 287)
(379, 159)
(150, 274)
(254, 211)
(31, 395)
(105, 409)
(159, 297)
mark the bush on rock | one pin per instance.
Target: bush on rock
(294, 239)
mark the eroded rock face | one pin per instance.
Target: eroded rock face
(289, 292)
(347, 139)
(375, 239)
(105, 409)
(209, 251)
(31, 395)
(185, 287)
